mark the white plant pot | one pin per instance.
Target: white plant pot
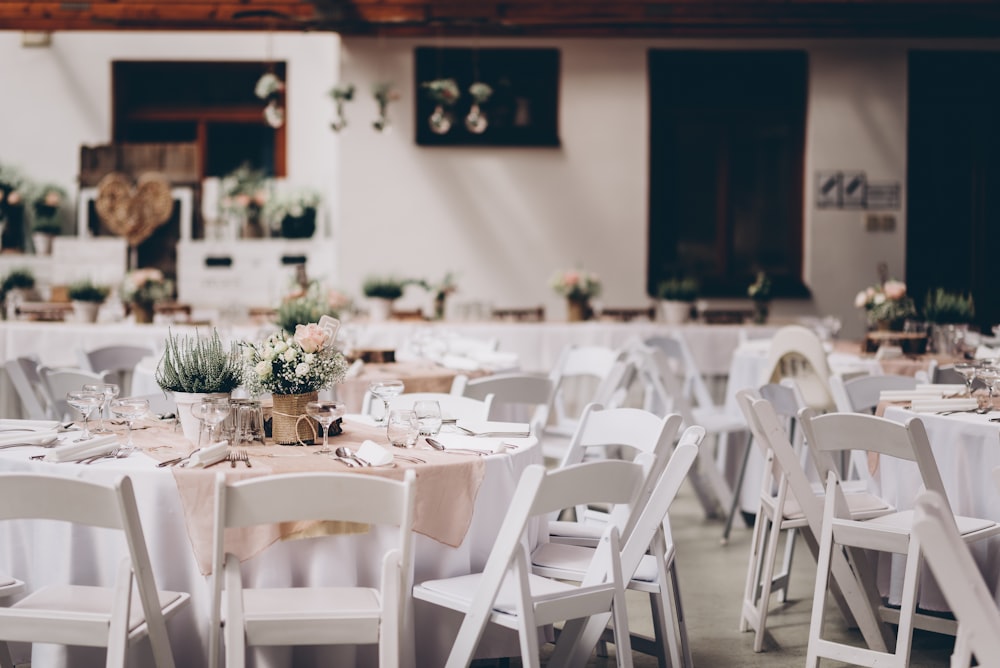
(186, 401)
(86, 311)
(675, 312)
(42, 242)
(379, 309)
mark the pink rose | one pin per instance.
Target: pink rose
(894, 289)
(861, 300)
(52, 199)
(310, 337)
(14, 198)
(571, 278)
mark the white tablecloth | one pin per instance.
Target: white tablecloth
(93, 555)
(967, 449)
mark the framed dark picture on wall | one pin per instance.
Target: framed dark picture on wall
(486, 97)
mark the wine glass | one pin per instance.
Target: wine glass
(84, 401)
(990, 375)
(428, 415)
(110, 392)
(402, 430)
(325, 412)
(385, 390)
(968, 371)
(212, 411)
(129, 409)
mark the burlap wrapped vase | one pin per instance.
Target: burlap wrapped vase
(286, 427)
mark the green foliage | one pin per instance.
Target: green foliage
(948, 308)
(678, 289)
(18, 279)
(385, 287)
(760, 289)
(199, 364)
(309, 307)
(87, 291)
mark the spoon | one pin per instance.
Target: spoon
(42, 444)
(346, 456)
(352, 455)
(438, 445)
(177, 460)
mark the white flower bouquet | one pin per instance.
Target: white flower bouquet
(305, 361)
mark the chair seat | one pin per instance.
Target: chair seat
(862, 505)
(296, 615)
(81, 610)
(903, 521)
(456, 593)
(715, 420)
(553, 559)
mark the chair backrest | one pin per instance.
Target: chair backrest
(846, 432)
(957, 575)
(452, 406)
(298, 497)
(60, 381)
(510, 391)
(26, 496)
(664, 382)
(675, 348)
(117, 362)
(633, 429)
(797, 352)
(583, 365)
(862, 392)
(35, 399)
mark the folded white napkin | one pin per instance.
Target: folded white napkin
(493, 359)
(495, 428)
(212, 454)
(986, 352)
(355, 369)
(490, 446)
(907, 395)
(34, 425)
(928, 405)
(92, 447)
(944, 388)
(459, 363)
(27, 436)
(374, 454)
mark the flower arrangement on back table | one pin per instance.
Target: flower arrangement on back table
(298, 363)
(309, 304)
(146, 286)
(886, 303)
(576, 285)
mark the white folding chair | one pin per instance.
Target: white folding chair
(58, 382)
(861, 393)
(116, 362)
(508, 594)
(665, 392)
(9, 586)
(648, 563)
(580, 373)
(36, 404)
(848, 592)
(957, 574)
(797, 352)
(72, 614)
(312, 615)
(695, 388)
(844, 432)
(511, 391)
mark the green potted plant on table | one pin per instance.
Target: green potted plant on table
(17, 286)
(309, 304)
(949, 314)
(381, 292)
(46, 205)
(142, 288)
(293, 213)
(87, 298)
(677, 295)
(760, 292)
(194, 368)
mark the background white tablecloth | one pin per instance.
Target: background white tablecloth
(58, 552)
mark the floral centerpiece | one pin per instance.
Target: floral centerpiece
(243, 193)
(293, 368)
(142, 288)
(760, 292)
(887, 305)
(308, 304)
(444, 93)
(578, 287)
(293, 213)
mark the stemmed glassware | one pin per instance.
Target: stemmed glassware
(990, 375)
(129, 409)
(84, 401)
(212, 411)
(968, 371)
(110, 392)
(325, 412)
(385, 390)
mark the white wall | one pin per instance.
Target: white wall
(504, 219)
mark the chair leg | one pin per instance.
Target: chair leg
(734, 505)
(661, 637)
(819, 595)
(674, 592)
(749, 619)
(763, 599)
(907, 607)
(782, 580)
(962, 656)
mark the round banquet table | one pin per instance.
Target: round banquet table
(175, 506)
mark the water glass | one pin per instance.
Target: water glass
(402, 429)
(428, 415)
(385, 390)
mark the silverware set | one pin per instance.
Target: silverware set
(239, 455)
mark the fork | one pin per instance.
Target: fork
(244, 457)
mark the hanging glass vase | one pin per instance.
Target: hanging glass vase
(440, 120)
(475, 121)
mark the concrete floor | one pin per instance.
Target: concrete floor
(712, 578)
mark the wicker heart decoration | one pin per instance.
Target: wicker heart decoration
(134, 213)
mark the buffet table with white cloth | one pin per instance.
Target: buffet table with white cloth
(966, 448)
(461, 500)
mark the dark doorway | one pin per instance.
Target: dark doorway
(726, 158)
(953, 201)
